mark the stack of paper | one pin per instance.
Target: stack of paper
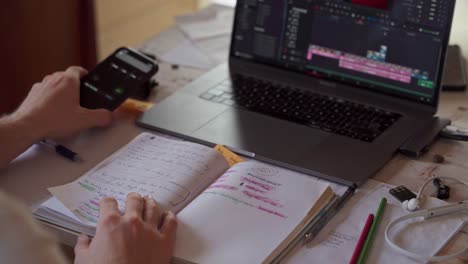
(206, 38)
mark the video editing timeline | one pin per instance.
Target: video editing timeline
(324, 37)
(373, 64)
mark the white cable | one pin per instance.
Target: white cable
(424, 214)
(421, 189)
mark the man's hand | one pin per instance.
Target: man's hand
(53, 109)
(142, 235)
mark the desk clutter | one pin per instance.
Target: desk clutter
(211, 189)
(224, 202)
(338, 240)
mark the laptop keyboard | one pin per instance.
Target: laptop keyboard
(330, 114)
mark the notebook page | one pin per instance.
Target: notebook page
(245, 214)
(56, 206)
(54, 212)
(172, 172)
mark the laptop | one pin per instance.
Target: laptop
(328, 88)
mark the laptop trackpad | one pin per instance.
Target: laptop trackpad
(260, 134)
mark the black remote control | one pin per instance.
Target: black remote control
(115, 79)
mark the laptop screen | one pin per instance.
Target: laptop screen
(392, 46)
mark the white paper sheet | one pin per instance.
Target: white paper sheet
(207, 36)
(217, 48)
(56, 213)
(337, 241)
(213, 21)
(171, 171)
(58, 207)
(187, 54)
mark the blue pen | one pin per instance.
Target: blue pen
(62, 151)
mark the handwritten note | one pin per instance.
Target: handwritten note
(250, 202)
(172, 172)
(252, 187)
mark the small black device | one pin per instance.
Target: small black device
(443, 191)
(402, 193)
(115, 79)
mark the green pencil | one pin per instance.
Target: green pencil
(373, 230)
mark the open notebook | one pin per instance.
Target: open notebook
(246, 213)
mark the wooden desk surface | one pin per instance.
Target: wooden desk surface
(28, 177)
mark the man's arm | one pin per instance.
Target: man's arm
(144, 234)
(23, 240)
(15, 137)
(51, 110)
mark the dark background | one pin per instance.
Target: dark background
(40, 37)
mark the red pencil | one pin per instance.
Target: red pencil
(362, 239)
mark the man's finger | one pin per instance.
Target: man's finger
(134, 205)
(82, 244)
(151, 214)
(108, 206)
(76, 71)
(46, 78)
(53, 79)
(169, 225)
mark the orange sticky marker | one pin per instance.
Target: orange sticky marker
(231, 157)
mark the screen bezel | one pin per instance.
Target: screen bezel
(378, 89)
